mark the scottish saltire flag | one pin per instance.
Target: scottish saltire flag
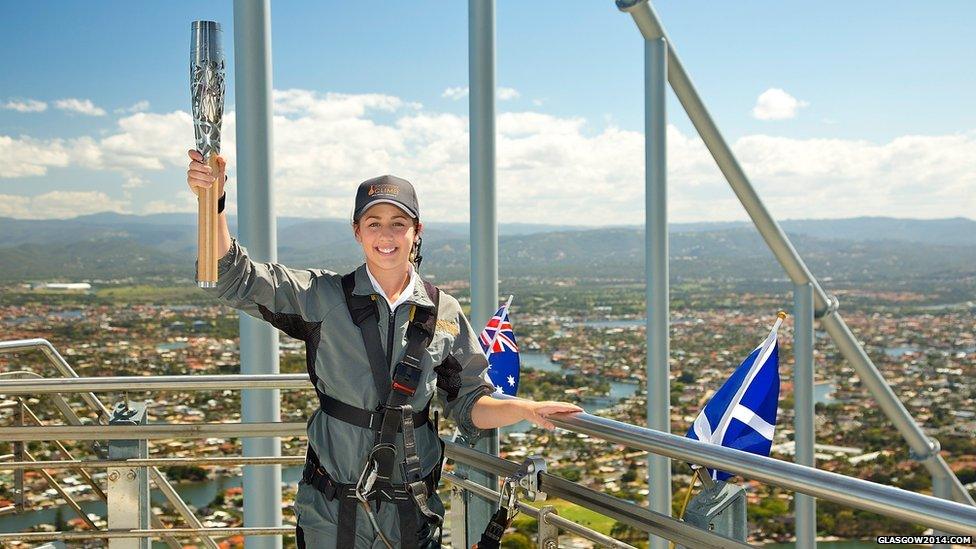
(498, 343)
(742, 414)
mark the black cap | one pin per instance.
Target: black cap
(386, 188)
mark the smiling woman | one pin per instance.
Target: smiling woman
(380, 342)
(387, 225)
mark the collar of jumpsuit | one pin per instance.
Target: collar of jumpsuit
(404, 295)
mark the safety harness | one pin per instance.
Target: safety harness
(394, 416)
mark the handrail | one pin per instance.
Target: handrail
(156, 383)
(553, 519)
(154, 431)
(624, 511)
(55, 358)
(151, 533)
(152, 462)
(894, 502)
(862, 494)
(162, 483)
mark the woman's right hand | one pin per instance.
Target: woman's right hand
(200, 176)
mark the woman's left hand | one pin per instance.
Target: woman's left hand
(539, 412)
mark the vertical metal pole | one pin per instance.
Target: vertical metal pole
(548, 534)
(20, 496)
(459, 516)
(803, 411)
(656, 242)
(256, 230)
(941, 488)
(128, 487)
(484, 229)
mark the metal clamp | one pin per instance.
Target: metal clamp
(524, 480)
(532, 469)
(833, 305)
(934, 448)
(126, 413)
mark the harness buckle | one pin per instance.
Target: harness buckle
(508, 498)
(364, 486)
(362, 492)
(406, 378)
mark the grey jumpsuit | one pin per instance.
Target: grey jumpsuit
(313, 299)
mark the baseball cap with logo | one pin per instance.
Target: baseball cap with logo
(389, 189)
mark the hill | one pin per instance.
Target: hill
(113, 246)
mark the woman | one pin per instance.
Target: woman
(379, 342)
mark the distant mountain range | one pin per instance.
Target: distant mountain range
(114, 246)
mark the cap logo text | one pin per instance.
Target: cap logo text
(392, 190)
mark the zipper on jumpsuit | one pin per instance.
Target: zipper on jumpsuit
(390, 334)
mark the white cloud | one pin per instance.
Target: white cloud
(134, 182)
(143, 141)
(776, 104)
(460, 92)
(551, 169)
(25, 105)
(79, 106)
(334, 105)
(139, 106)
(185, 202)
(59, 204)
(148, 141)
(505, 94)
(26, 156)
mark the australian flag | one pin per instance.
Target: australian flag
(742, 414)
(498, 343)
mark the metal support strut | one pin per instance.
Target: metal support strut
(779, 244)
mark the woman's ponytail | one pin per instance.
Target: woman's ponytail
(415, 256)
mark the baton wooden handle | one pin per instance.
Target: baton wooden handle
(207, 229)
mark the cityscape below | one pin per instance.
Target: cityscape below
(582, 339)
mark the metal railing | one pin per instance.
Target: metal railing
(929, 511)
(61, 365)
(826, 306)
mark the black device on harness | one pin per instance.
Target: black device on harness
(523, 481)
(391, 417)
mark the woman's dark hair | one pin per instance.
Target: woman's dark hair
(417, 258)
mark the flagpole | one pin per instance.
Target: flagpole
(494, 337)
(691, 488)
(684, 504)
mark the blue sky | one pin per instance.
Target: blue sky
(871, 104)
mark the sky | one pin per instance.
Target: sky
(834, 108)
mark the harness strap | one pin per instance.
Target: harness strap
(406, 377)
(317, 477)
(346, 523)
(398, 494)
(491, 537)
(367, 419)
(408, 523)
(362, 308)
(397, 411)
